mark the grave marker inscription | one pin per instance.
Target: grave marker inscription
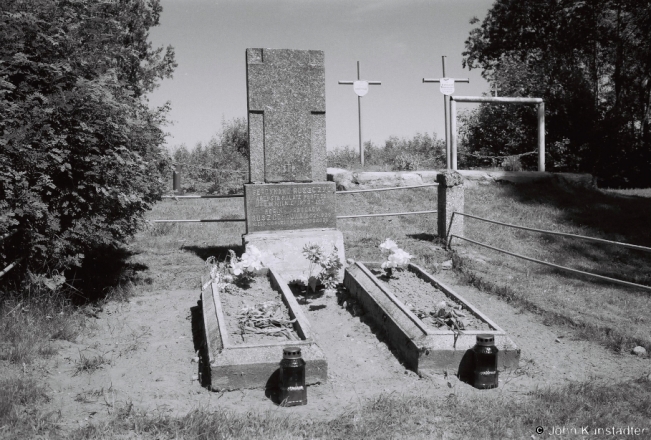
(287, 206)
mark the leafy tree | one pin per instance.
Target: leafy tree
(80, 150)
(423, 151)
(590, 60)
(220, 166)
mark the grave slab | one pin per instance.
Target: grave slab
(423, 349)
(233, 367)
(282, 250)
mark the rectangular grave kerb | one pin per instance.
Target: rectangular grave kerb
(286, 112)
(241, 366)
(421, 347)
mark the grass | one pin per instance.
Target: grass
(20, 416)
(640, 192)
(418, 416)
(88, 364)
(29, 325)
(615, 316)
(169, 256)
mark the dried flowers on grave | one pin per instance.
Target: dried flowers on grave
(234, 269)
(396, 257)
(323, 269)
(268, 318)
(443, 314)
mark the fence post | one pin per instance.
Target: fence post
(541, 136)
(450, 199)
(453, 132)
(176, 180)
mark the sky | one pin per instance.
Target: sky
(398, 42)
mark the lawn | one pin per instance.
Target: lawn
(614, 315)
(171, 256)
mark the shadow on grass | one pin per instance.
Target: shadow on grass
(219, 252)
(606, 213)
(424, 237)
(103, 270)
(200, 345)
(595, 213)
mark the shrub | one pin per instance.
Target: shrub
(421, 151)
(81, 156)
(405, 162)
(221, 166)
(512, 163)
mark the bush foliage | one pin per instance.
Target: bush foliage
(401, 154)
(81, 152)
(221, 166)
(590, 63)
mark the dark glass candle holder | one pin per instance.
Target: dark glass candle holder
(485, 375)
(292, 378)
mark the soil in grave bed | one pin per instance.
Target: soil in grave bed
(421, 298)
(236, 298)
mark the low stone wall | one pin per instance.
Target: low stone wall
(348, 180)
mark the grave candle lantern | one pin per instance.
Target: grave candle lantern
(292, 378)
(485, 357)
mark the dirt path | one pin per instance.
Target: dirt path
(145, 355)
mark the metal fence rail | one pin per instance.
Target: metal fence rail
(562, 234)
(556, 266)
(386, 214)
(230, 196)
(386, 189)
(210, 220)
(8, 268)
(337, 192)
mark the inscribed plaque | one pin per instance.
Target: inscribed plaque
(286, 206)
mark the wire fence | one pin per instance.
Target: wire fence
(546, 263)
(479, 156)
(562, 234)
(391, 188)
(208, 196)
(232, 196)
(225, 170)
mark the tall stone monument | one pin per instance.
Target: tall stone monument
(288, 201)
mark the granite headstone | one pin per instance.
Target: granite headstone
(288, 201)
(286, 109)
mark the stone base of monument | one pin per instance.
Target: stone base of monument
(283, 250)
(423, 349)
(231, 367)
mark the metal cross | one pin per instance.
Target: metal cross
(361, 88)
(446, 105)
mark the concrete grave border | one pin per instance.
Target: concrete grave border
(240, 366)
(422, 349)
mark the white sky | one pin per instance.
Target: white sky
(398, 42)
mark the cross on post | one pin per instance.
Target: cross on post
(361, 88)
(447, 88)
